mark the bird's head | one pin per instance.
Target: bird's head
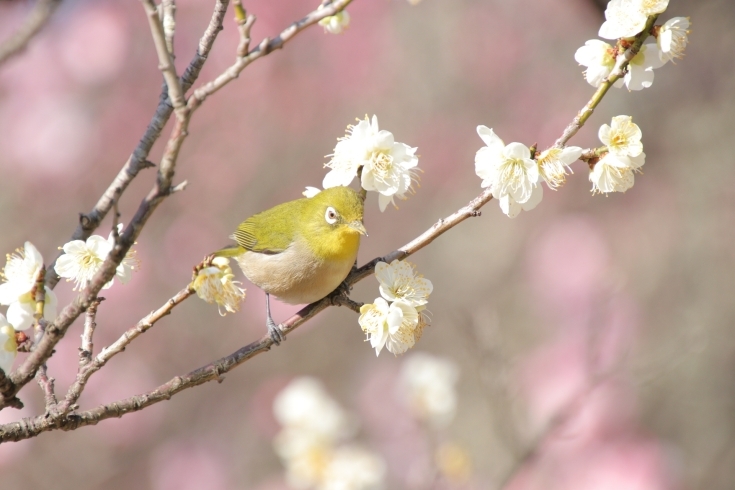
(338, 209)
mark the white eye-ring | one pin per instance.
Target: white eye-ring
(330, 215)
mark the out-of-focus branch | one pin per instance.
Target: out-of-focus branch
(31, 427)
(33, 23)
(621, 64)
(47, 385)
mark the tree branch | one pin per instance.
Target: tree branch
(33, 23)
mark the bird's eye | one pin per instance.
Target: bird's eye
(330, 215)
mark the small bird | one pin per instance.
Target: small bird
(302, 250)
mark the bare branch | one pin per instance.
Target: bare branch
(47, 385)
(165, 58)
(33, 23)
(168, 8)
(139, 158)
(87, 348)
(89, 368)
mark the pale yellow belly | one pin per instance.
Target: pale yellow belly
(294, 276)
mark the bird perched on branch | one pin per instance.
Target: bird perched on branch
(302, 250)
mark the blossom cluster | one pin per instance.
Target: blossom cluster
(313, 443)
(21, 272)
(514, 177)
(384, 165)
(625, 19)
(215, 284)
(397, 325)
(614, 172)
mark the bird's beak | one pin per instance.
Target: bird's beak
(358, 227)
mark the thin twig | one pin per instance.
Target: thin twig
(87, 348)
(37, 18)
(165, 58)
(168, 10)
(89, 368)
(47, 385)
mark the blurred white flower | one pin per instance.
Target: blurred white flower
(8, 345)
(305, 455)
(82, 260)
(20, 273)
(554, 163)
(388, 167)
(21, 312)
(337, 23)
(354, 468)
(391, 326)
(598, 57)
(305, 405)
(509, 171)
(398, 281)
(622, 137)
(640, 68)
(672, 39)
(311, 191)
(428, 385)
(626, 18)
(216, 284)
(615, 173)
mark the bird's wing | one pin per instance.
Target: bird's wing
(269, 232)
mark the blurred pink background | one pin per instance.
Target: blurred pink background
(615, 313)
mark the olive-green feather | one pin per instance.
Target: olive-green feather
(271, 231)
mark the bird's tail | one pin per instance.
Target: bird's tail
(230, 251)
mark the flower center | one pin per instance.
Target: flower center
(382, 164)
(512, 173)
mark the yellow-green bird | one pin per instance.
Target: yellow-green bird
(302, 250)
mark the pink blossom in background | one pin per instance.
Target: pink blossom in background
(95, 44)
(189, 465)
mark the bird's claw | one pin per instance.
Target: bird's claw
(275, 332)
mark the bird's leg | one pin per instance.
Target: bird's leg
(273, 330)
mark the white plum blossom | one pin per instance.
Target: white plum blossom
(672, 39)
(622, 137)
(554, 163)
(82, 260)
(8, 345)
(398, 281)
(615, 171)
(20, 273)
(599, 58)
(337, 23)
(216, 284)
(427, 384)
(626, 18)
(393, 326)
(510, 172)
(640, 68)
(354, 467)
(388, 167)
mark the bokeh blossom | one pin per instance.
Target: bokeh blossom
(388, 167)
(427, 384)
(216, 284)
(309, 444)
(8, 345)
(20, 274)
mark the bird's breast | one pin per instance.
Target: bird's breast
(297, 275)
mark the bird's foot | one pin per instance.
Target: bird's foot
(342, 290)
(275, 332)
